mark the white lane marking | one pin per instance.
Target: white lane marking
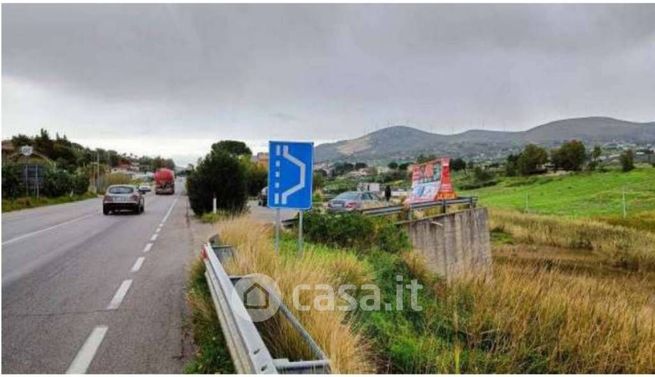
(154, 237)
(120, 295)
(138, 264)
(158, 230)
(170, 209)
(148, 247)
(88, 350)
(27, 235)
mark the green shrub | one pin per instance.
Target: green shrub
(57, 182)
(221, 175)
(11, 182)
(80, 184)
(352, 230)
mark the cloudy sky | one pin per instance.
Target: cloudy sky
(171, 79)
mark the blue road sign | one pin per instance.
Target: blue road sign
(290, 169)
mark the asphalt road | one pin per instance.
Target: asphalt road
(84, 292)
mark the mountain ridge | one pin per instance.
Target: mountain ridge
(400, 141)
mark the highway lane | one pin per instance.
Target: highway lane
(87, 292)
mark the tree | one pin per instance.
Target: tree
(257, 177)
(627, 159)
(393, 165)
(570, 156)
(43, 143)
(511, 166)
(343, 168)
(595, 156)
(482, 175)
(403, 166)
(596, 152)
(458, 164)
(21, 140)
(219, 175)
(232, 147)
(422, 158)
(530, 159)
(360, 165)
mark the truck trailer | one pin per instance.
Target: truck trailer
(164, 181)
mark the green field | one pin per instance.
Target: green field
(586, 194)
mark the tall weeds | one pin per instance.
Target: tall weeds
(332, 330)
(618, 245)
(538, 320)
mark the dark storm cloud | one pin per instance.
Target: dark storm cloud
(321, 71)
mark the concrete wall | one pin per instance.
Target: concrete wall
(453, 244)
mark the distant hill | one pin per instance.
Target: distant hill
(401, 142)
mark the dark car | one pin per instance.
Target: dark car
(144, 189)
(354, 200)
(123, 197)
(262, 198)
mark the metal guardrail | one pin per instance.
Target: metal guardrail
(390, 210)
(380, 211)
(247, 348)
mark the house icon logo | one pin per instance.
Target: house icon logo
(260, 296)
(256, 297)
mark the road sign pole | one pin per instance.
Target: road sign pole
(277, 231)
(290, 181)
(27, 183)
(300, 243)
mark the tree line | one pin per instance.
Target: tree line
(70, 156)
(71, 165)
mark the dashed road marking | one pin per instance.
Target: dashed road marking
(120, 295)
(154, 237)
(148, 247)
(138, 264)
(88, 350)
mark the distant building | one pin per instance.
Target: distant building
(261, 159)
(8, 149)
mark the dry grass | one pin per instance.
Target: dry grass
(539, 319)
(618, 245)
(332, 330)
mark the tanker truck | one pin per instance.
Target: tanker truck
(164, 181)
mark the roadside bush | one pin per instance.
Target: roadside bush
(57, 182)
(352, 230)
(220, 175)
(11, 181)
(80, 184)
